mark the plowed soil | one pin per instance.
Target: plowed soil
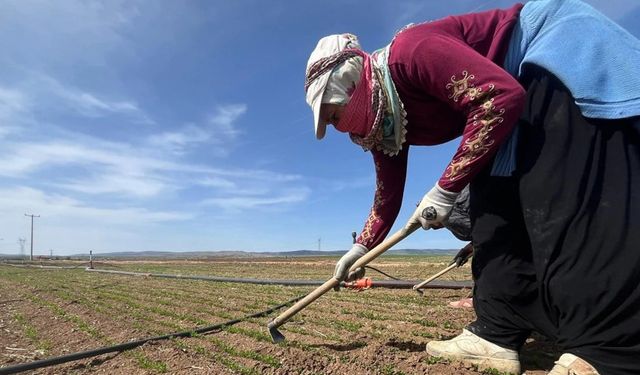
(51, 312)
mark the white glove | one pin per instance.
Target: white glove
(433, 209)
(341, 272)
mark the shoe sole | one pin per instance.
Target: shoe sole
(482, 363)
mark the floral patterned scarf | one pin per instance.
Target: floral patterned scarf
(374, 117)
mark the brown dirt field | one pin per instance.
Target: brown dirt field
(49, 312)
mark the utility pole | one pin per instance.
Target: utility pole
(32, 216)
(319, 243)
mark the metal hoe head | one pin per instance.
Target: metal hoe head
(276, 335)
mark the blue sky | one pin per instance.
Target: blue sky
(182, 126)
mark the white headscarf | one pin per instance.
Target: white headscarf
(315, 86)
(342, 81)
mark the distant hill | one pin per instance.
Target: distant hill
(237, 254)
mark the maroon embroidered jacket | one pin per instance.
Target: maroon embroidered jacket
(449, 77)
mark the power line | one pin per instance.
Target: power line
(32, 216)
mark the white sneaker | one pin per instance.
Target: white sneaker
(471, 349)
(569, 364)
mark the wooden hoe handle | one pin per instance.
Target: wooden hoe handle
(333, 282)
(427, 281)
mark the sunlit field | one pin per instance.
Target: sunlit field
(53, 312)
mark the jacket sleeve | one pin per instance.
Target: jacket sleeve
(489, 97)
(391, 172)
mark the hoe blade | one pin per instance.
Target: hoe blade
(276, 335)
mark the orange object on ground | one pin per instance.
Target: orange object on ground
(360, 284)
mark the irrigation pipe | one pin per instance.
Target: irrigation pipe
(40, 266)
(212, 278)
(392, 284)
(364, 284)
(381, 272)
(133, 344)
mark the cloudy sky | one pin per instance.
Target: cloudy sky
(182, 126)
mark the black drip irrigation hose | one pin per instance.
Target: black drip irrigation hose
(214, 278)
(393, 284)
(133, 344)
(383, 273)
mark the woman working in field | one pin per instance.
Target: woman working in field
(546, 100)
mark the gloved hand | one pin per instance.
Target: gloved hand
(348, 259)
(463, 255)
(433, 209)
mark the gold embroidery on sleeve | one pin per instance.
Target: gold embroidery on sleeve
(489, 116)
(367, 232)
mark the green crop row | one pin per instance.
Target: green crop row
(31, 332)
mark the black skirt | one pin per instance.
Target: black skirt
(557, 246)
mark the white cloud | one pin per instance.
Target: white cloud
(131, 185)
(103, 167)
(13, 106)
(4, 131)
(28, 157)
(244, 203)
(256, 174)
(48, 91)
(219, 130)
(222, 121)
(89, 105)
(43, 93)
(353, 183)
(69, 225)
(16, 200)
(72, 30)
(178, 142)
(12, 101)
(98, 167)
(217, 182)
